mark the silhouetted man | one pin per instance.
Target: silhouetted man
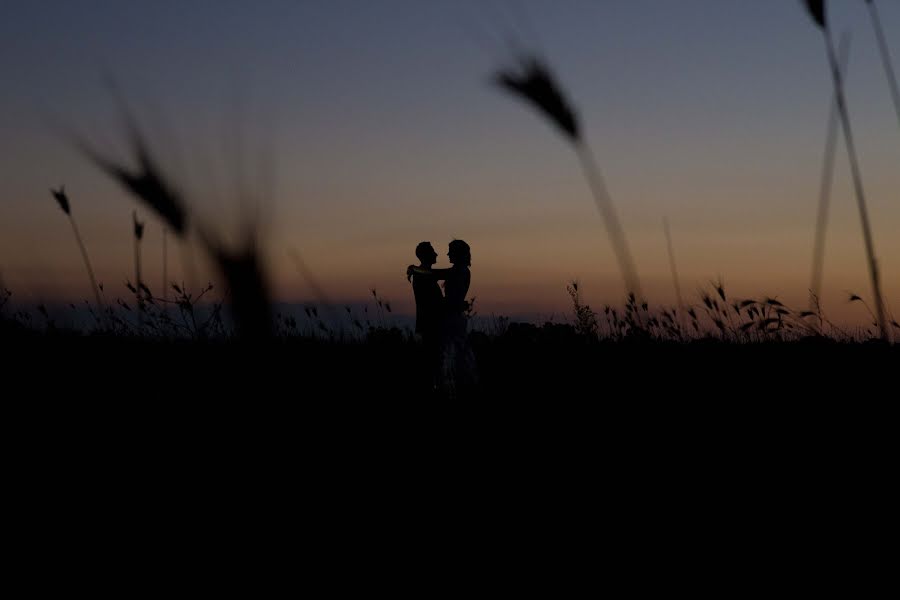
(429, 307)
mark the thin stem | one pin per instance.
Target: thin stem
(137, 278)
(610, 219)
(825, 186)
(165, 279)
(857, 183)
(885, 57)
(672, 264)
(90, 271)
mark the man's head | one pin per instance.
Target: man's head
(426, 254)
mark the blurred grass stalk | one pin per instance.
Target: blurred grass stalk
(674, 270)
(533, 81)
(138, 235)
(165, 265)
(610, 218)
(241, 266)
(885, 56)
(825, 186)
(818, 12)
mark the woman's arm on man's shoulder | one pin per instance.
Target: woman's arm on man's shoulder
(417, 270)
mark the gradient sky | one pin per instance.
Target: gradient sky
(370, 126)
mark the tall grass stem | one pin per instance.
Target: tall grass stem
(165, 267)
(610, 218)
(90, 271)
(857, 182)
(825, 185)
(885, 57)
(674, 270)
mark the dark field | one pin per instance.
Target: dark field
(704, 458)
(546, 365)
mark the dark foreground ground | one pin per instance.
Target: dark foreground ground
(529, 366)
(540, 393)
(705, 466)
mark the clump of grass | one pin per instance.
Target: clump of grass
(241, 266)
(585, 319)
(716, 315)
(382, 309)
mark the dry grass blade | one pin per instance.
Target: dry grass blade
(146, 183)
(533, 81)
(245, 276)
(816, 10)
(138, 235)
(62, 199)
(242, 268)
(672, 266)
(138, 227)
(885, 57)
(825, 183)
(165, 267)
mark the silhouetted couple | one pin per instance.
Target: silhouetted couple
(442, 319)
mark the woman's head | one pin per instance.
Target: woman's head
(459, 253)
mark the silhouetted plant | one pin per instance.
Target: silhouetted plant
(382, 306)
(826, 183)
(138, 235)
(241, 267)
(885, 56)
(675, 282)
(533, 81)
(196, 326)
(585, 319)
(817, 9)
(5, 295)
(63, 200)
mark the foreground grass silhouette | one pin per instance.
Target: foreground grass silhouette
(524, 362)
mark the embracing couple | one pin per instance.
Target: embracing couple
(441, 319)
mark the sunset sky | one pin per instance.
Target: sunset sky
(369, 126)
